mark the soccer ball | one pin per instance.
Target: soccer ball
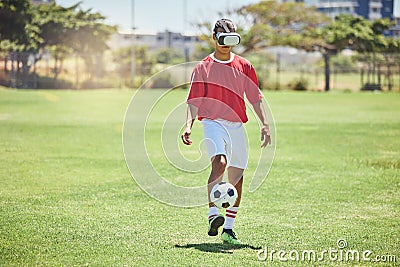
(223, 195)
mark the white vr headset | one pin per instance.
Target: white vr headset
(227, 38)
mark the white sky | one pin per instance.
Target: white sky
(159, 15)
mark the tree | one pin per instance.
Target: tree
(377, 45)
(169, 56)
(143, 61)
(89, 40)
(62, 31)
(57, 25)
(18, 36)
(68, 30)
(346, 31)
(269, 23)
(392, 57)
(16, 31)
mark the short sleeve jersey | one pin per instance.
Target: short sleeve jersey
(218, 88)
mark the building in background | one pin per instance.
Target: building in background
(396, 17)
(336, 7)
(387, 10)
(369, 9)
(185, 43)
(41, 2)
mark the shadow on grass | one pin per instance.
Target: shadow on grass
(217, 247)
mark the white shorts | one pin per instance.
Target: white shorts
(227, 138)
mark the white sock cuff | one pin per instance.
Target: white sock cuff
(213, 211)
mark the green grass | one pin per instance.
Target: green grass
(67, 198)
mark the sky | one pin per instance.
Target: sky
(159, 15)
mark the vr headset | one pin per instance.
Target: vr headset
(227, 38)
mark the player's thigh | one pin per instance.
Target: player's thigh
(237, 148)
(214, 139)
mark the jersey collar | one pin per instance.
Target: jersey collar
(223, 61)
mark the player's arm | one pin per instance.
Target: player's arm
(265, 133)
(190, 118)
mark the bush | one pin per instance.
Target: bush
(162, 80)
(299, 84)
(267, 85)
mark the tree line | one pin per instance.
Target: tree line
(26, 30)
(64, 31)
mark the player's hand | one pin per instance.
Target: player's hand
(265, 136)
(186, 136)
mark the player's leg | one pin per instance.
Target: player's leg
(235, 177)
(215, 219)
(214, 136)
(218, 166)
(237, 163)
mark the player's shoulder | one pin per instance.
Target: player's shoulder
(243, 64)
(202, 64)
(242, 60)
(204, 61)
(208, 58)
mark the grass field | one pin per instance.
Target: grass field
(67, 198)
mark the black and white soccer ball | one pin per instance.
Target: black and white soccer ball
(223, 195)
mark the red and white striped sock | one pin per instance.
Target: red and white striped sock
(230, 217)
(212, 212)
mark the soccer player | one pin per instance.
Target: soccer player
(216, 97)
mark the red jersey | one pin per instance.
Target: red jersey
(218, 88)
